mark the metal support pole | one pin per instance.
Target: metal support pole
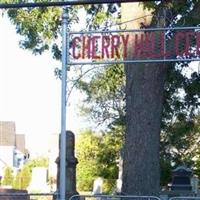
(65, 3)
(62, 186)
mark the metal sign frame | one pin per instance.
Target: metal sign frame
(65, 3)
(113, 197)
(175, 58)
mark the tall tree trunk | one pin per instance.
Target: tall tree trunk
(144, 94)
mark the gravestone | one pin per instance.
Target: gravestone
(38, 180)
(119, 180)
(97, 186)
(71, 162)
(181, 179)
(195, 184)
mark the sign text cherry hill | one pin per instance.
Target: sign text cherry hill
(135, 45)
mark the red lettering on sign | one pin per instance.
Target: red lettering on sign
(95, 47)
(179, 38)
(105, 45)
(86, 51)
(163, 47)
(150, 44)
(188, 37)
(139, 45)
(76, 40)
(125, 42)
(115, 43)
(162, 50)
(145, 45)
(198, 42)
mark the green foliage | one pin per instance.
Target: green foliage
(109, 185)
(8, 176)
(86, 151)
(105, 95)
(38, 162)
(17, 181)
(99, 15)
(40, 28)
(178, 137)
(23, 178)
(105, 103)
(180, 145)
(97, 155)
(43, 30)
(165, 168)
(25, 175)
(149, 5)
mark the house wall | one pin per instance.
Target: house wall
(7, 155)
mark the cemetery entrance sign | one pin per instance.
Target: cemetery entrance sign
(132, 46)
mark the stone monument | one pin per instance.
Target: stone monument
(71, 162)
(181, 179)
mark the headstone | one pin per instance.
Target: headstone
(39, 180)
(97, 186)
(195, 184)
(181, 179)
(119, 180)
(71, 162)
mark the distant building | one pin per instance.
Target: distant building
(7, 133)
(12, 147)
(20, 142)
(53, 152)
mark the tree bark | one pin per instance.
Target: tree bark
(144, 94)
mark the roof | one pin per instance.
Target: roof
(20, 142)
(7, 133)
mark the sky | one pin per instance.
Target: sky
(30, 94)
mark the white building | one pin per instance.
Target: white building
(12, 147)
(53, 153)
